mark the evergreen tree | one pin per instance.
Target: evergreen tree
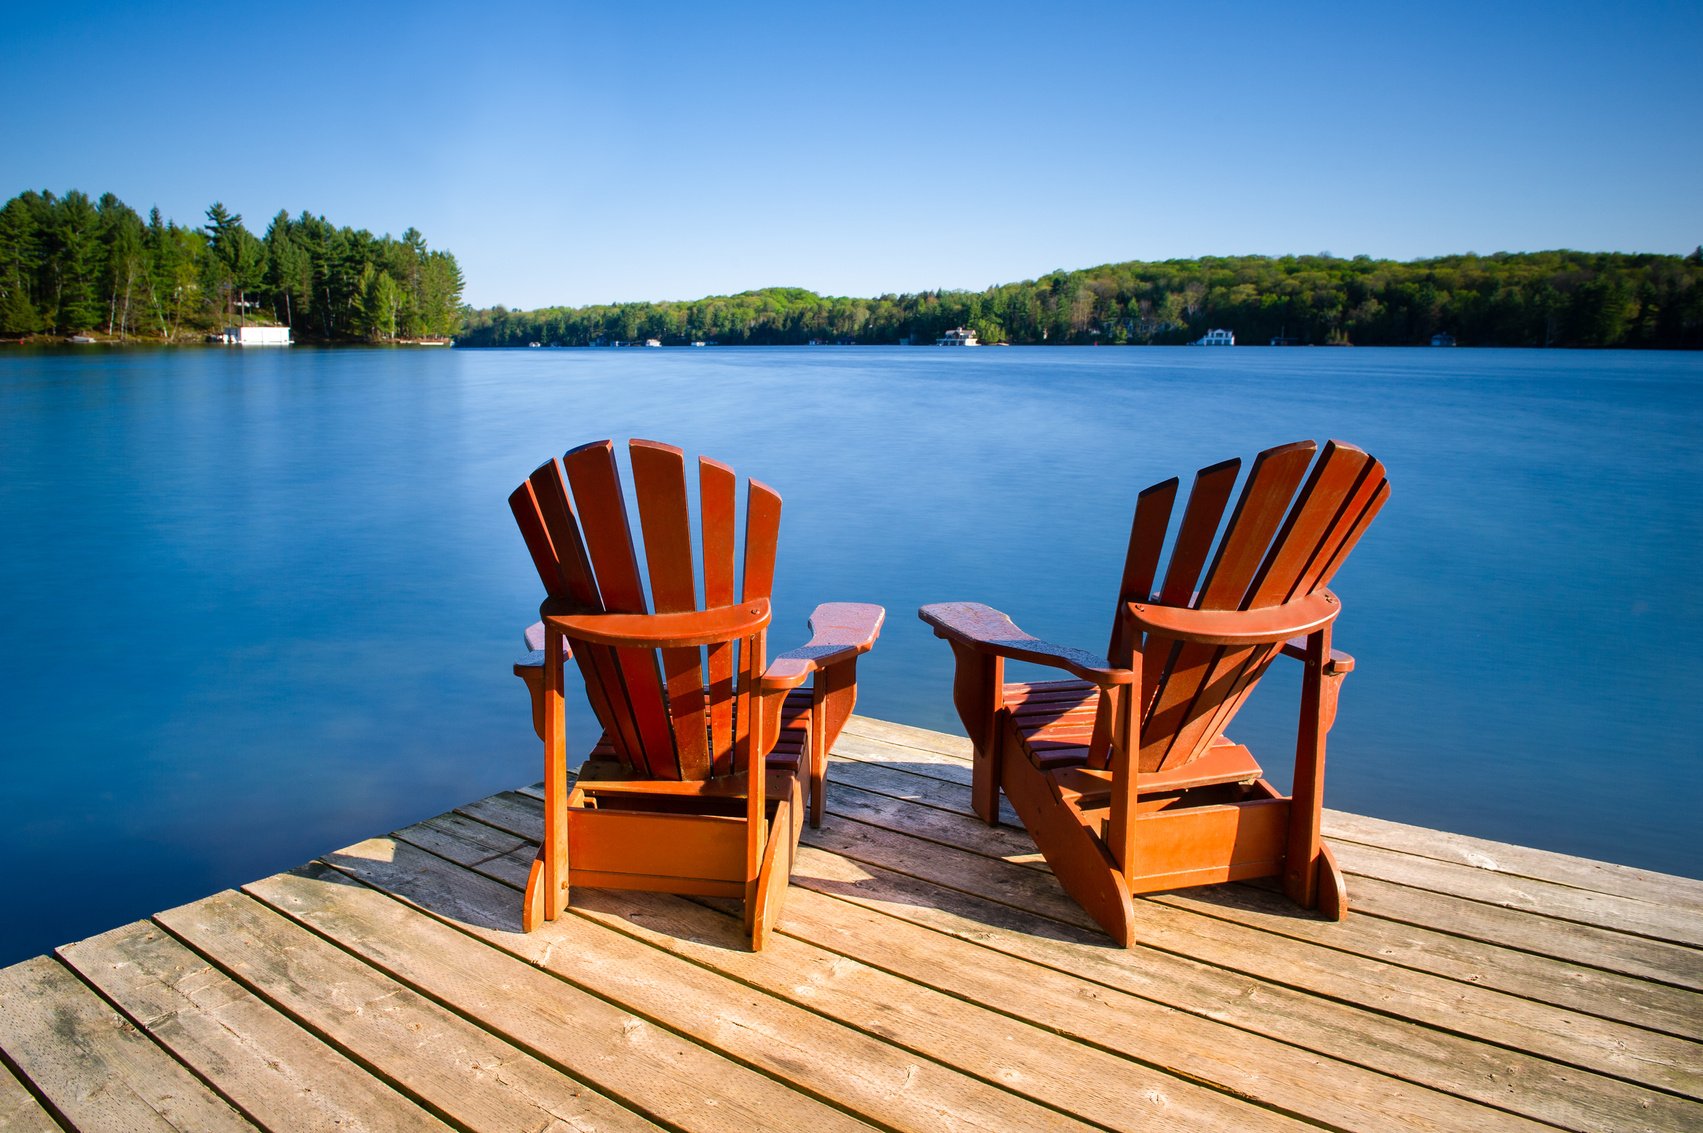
(74, 263)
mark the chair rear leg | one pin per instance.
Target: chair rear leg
(1332, 888)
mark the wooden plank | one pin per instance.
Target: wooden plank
(1508, 1080)
(267, 1066)
(905, 800)
(1636, 956)
(1603, 1045)
(1246, 1065)
(1599, 1045)
(92, 1065)
(1572, 986)
(1019, 1025)
(923, 739)
(470, 1078)
(1376, 1036)
(673, 1079)
(807, 1052)
(1024, 1059)
(1544, 898)
(1662, 889)
(19, 1110)
(1632, 956)
(1104, 1088)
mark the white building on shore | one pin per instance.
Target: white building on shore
(257, 336)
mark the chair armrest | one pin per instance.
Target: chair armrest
(986, 630)
(1265, 626)
(839, 631)
(533, 638)
(1336, 664)
(658, 631)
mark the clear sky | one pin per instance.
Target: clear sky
(570, 153)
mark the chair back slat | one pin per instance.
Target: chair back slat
(1141, 561)
(1202, 675)
(1367, 501)
(762, 536)
(1289, 532)
(1205, 508)
(1201, 516)
(596, 484)
(717, 512)
(659, 482)
(680, 712)
(547, 522)
(1305, 534)
(1259, 511)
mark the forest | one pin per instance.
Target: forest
(1559, 298)
(71, 265)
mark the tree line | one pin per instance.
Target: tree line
(69, 264)
(1558, 298)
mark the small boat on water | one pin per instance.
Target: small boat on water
(1217, 338)
(958, 336)
(79, 339)
(656, 342)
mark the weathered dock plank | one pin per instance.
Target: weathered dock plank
(460, 1071)
(268, 1067)
(808, 1053)
(92, 1065)
(19, 1111)
(928, 973)
(884, 794)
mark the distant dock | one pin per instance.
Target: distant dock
(928, 974)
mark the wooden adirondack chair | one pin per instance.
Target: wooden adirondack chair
(695, 786)
(1122, 774)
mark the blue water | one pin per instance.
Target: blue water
(259, 605)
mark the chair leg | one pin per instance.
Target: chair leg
(1332, 888)
(977, 692)
(547, 880)
(818, 754)
(1078, 859)
(532, 905)
(1303, 854)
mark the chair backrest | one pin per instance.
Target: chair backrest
(678, 713)
(1286, 537)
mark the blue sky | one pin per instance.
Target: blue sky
(571, 153)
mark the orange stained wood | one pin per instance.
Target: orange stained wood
(1123, 774)
(696, 785)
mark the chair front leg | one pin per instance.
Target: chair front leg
(1318, 704)
(547, 881)
(833, 693)
(978, 691)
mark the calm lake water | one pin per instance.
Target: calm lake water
(260, 605)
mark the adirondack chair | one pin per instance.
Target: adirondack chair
(1122, 773)
(695, 786)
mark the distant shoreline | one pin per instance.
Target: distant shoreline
(1556, 298)
(59, 342)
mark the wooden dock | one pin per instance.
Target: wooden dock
(928, 974)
